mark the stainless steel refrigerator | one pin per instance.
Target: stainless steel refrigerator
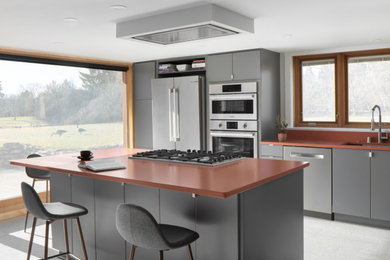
(178, 113)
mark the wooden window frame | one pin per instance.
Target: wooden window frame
(341, 85)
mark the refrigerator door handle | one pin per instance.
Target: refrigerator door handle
(176, 123)
(170, 115)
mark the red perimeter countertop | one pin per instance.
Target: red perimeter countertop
(216, 181)
(332, 139)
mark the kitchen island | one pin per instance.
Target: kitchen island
(249, 209)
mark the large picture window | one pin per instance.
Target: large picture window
(339, 90)
(53, 109)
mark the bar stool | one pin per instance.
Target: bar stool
(51, 212)
(138, 227)
(37, 175)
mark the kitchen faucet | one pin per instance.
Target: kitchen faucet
(380, 137)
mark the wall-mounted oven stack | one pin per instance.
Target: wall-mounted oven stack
(233, 118)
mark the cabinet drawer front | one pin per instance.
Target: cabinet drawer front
(270, 151)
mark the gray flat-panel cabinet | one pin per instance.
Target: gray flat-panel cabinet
(215, 221)
(60, 192)
(143, 73)
(81, 189)
(143, 124)
(244, 65)
(317, 177)
(380, 185)
(177, 208)
(351, 182)
(109, 244)
(219, 67)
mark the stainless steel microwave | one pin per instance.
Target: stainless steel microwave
(233, 101)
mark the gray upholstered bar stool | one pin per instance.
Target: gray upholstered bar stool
(37, 175)
(51, 212)
(138, 227)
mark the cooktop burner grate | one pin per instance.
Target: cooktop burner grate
(190, 156)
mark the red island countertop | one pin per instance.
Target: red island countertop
(332, 139)
(215, 181)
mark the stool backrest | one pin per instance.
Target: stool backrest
(138, 227)
(32, 202)
(35, 173)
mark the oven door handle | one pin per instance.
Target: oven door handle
(233, 97)
(250, 135)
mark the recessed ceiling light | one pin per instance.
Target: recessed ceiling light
(118, 7)
(71, 19)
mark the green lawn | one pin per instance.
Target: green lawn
(48, 137)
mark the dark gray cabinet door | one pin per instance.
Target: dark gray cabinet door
(219, 67)
(317, 177)
(143, 124)
(178, 208)
(83, 194)
(217, 221)
(351, 182)
(109, 244)
(246, 65)
(149, 199)
(60, 192)
(143, 73)
(380, 185)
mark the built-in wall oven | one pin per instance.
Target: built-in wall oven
(233, 118)
(233, 101)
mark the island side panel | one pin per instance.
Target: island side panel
(109, 243)
(217, 225)
(272, 220)
(60, 192)
(83, 193)
(178, 208)
(149, 199)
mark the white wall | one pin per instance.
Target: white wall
(286, 71)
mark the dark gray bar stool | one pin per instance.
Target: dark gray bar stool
(37, 175)
(52, 212)
(138, 227)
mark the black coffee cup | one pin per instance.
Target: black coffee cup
(86, 154)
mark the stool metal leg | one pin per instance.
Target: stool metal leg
(190, 252)
(47, 191)
(132, 253)
(66, 239)
(26, 219)
(46, 239)
(82, 238)
(31, 238)
(161, 255)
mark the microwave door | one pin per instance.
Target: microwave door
(236, 142)
(233, 107)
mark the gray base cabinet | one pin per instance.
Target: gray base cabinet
(317, 177)
(380, 185)
(351, 182)
(265, 222)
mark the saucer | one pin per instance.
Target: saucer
(85, 158)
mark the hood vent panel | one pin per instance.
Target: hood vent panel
(195, 23)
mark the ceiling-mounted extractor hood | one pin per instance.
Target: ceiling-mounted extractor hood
(195, 23)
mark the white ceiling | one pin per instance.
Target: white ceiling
(280, 25)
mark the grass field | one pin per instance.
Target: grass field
(87, 136)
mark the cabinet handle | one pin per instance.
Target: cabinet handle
(232, 76)
(270, 156)
(307, 155)
(370, 154)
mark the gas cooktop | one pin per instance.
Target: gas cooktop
(190, 156)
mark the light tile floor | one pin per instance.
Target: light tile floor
(324, 240)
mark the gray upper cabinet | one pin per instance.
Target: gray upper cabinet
(143, 73)
(243, 65)
(380, 185)
(246, 65)
(317, 177)
(351, 182)
(219, 67)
